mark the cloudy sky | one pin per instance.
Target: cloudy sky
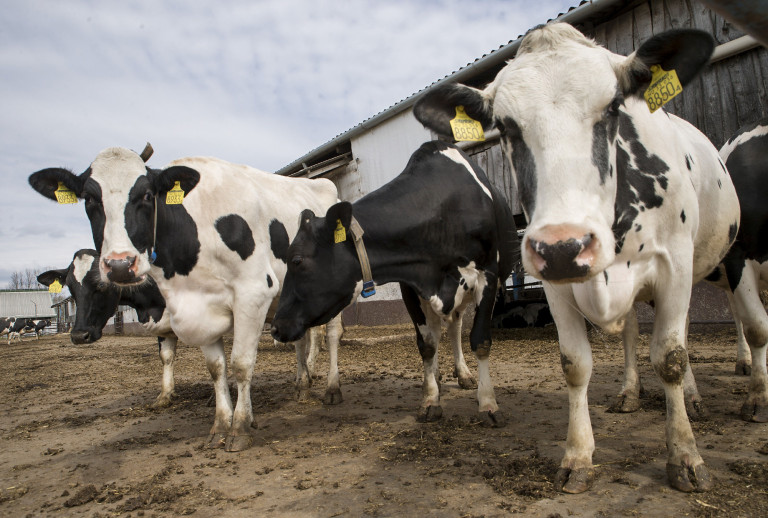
(250, 81)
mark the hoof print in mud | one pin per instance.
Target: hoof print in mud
(687, 479)
(430, 414)
(574, 481)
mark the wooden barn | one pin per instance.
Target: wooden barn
(728, 95)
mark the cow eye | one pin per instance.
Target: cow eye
(148, 196)
(90, 199)
(297, 260)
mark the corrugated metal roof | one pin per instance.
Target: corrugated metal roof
(26, 304)
(585, 10)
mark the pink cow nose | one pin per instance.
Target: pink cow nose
(562, 253)
(120, 269)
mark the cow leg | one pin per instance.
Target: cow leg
(167, 350)
(751, 312)
(576, 471)
(217, 366)
(460, 370)
(313, 347)
(427, 325)
(303, 376)
(333, 332)
(693, 404)
(244, 349)
(628, 399)
(743, 354)
(685, 468)
(480, 341)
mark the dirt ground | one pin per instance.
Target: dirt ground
(78, 437)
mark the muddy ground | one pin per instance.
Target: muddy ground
(78, 437)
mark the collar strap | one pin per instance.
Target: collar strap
(357, 236)
(153, 253)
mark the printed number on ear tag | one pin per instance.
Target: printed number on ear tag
(65, 195)
(664, 86)
(55, 287)
(340, 234)
(175, 196)
(465, 127)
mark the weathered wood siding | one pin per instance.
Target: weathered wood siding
(726, 96)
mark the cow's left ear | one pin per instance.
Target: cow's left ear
(339, 213)
(48, 278)
(437, 107)
(164, 180)
(686, 51)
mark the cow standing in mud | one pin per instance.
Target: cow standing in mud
(623, 205)
(439, 229)
(213, 236)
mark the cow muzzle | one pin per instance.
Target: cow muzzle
(121, 269)
(562, 253)
(84, 336)
(284, 330)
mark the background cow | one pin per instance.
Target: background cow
(97, 302)
(40, 326)
(442, 231)
(213, 235)
(19, 327)
(5, 326)
(622, 204)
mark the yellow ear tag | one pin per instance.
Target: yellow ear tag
(55, 287)
(175, 196)
(465, 127)
(65, 195)
(340, 234)
(664, 86)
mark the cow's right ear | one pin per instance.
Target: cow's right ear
(437, 107)
(48, 278)
(46, 181)
(186, 176)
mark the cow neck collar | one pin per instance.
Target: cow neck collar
(357, 238)
(153, 253)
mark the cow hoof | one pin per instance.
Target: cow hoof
(238, 442)
(216, 441)
(743, 368)
(695, 409)
(688, 478)
(430, 414)
(303, 395)
(574, 481)
(161, 402)
(467, 383)
(490, 419)
(332, 397)
(625, 404)
(754, 412)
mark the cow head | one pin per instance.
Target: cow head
(120, 195)
(323, 276)
(561, 106)
(96, 301)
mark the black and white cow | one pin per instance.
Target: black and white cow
(744, 271)
(19, 327)
(218, 258)
(97, 302)
(442, 231)
(5, 327)
(40, 326)
(623, 205)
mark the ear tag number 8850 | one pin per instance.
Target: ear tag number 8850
(664, 86)
(465, 127)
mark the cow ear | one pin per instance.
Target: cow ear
(437, 107)
(46, 181)
(186, 176)
(340, 212)
(686, 51)
(47, 278)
